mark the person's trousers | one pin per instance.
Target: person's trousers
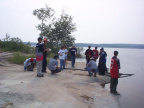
(62, 64)
(72, 61)
(91, 71)
(44, 64)
(113, 84)
(101, 69)
(39, 67)
(87, 60)
(31, 67)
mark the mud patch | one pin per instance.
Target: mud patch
(88, 100)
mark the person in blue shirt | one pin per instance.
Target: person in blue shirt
(92, 67)
(73, 53)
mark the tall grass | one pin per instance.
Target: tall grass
(19, 58)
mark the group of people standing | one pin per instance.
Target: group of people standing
(41, 58)
(91, 58)
(63, 56)
(94, 55)
(91, 66)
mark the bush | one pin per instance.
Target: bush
(15, 44)
(18, 58)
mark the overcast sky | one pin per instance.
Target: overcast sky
(97, 21)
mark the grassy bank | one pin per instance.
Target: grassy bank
(19, 58)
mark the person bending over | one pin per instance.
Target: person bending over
(53, 65)
(92, 67)
(29, 64)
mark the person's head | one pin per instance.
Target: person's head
(89, 47)
(96, 47)
(55, 57)
(73, 46)
(62, 47)
(102, 49)
(115, 53)
(31, 59)
(45, 41)
(40, 39)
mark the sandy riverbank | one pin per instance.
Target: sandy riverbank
(68, 89)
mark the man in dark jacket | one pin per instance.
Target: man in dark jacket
(44, 61)
(89, 54)
(102, 62)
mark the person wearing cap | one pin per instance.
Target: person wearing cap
(39, 57)
(44, 61)
(73, 53)
(89, 54)
(29, 64)
(114, 71)
(102, 62)
(92, 67)
(95, 54)
(53, 65)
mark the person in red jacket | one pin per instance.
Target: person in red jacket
(114, 71)
(95, 54)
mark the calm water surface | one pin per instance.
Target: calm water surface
(131, 88)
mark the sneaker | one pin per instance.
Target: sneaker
(94, 74)
(90, 74)
(116, 93)
(40, 75)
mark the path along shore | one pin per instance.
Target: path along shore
(67, 89)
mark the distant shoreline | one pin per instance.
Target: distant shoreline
(133, 46)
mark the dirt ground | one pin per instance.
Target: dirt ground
(67, 89)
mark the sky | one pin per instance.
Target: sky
(97, 21)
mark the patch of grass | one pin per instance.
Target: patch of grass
(18, 58)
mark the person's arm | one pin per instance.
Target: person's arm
(86, 52)
(69, 52)
(60, 53)
(89, 64)
(91, 52)
(76, 51)
(66, 51)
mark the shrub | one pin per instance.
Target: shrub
(15, 44)
(18, 58)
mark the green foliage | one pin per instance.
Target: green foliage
(59, 30)
(79, 52)
(15, 44)
(18, 58)
(43, 14)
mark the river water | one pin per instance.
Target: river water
(131, 88)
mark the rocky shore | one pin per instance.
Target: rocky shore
(67, 89)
